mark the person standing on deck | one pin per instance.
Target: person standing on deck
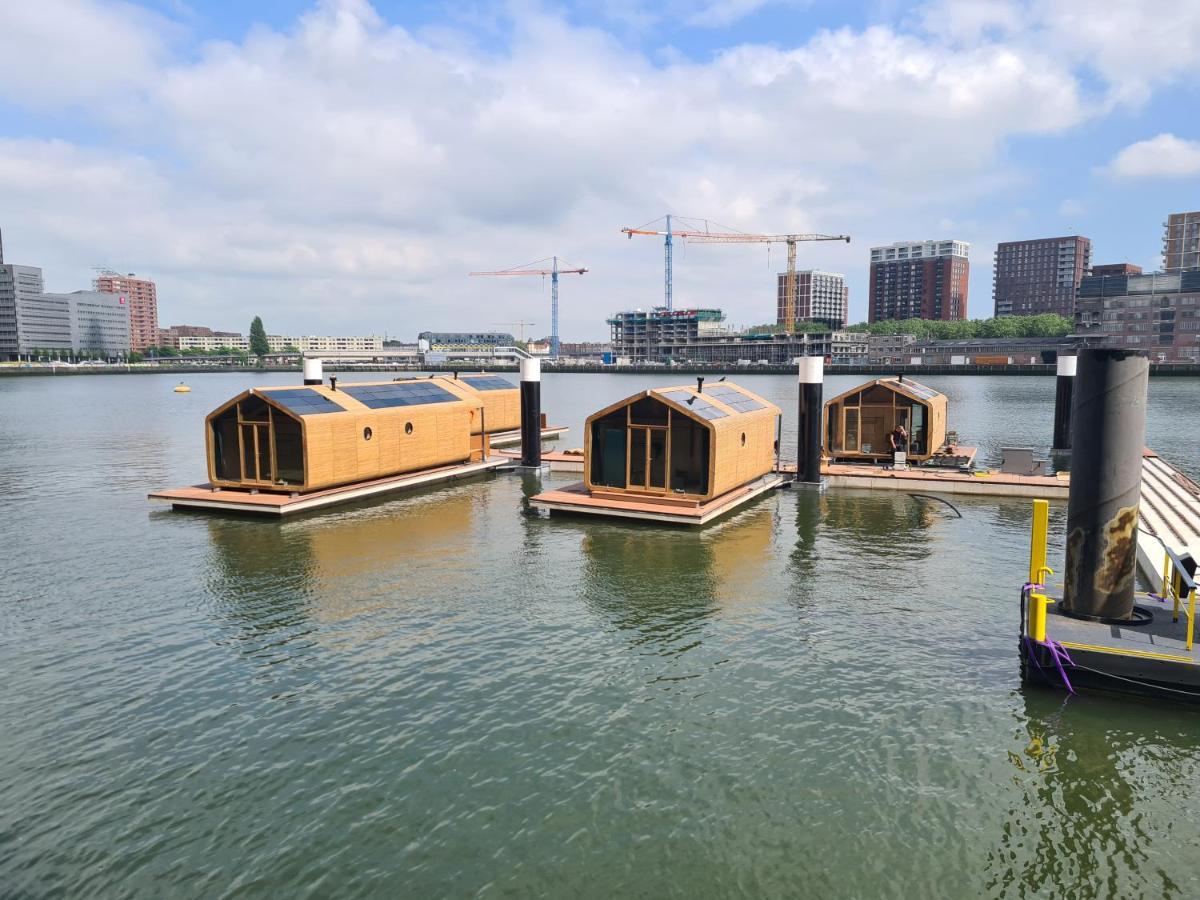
(899, 441)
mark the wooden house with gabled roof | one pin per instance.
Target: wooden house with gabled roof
(683, 443)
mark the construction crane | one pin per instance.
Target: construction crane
(554, 271)
(521, 325)
(694, 228)
(791, 240)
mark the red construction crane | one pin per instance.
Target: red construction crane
(789, 302)
(554, 271)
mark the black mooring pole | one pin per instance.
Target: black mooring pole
(808, 426)
(1063, 389)
(1109, 423)
(531, 412)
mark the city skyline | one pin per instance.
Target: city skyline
(339, 168)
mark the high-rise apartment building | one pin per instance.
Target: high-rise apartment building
(1181, 242)
(919, 280)
(1108, 270)
(820, 297)
(142, 299)
(1039, 276)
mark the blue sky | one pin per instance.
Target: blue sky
(338, 166)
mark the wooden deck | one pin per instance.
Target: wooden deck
(576, 499)
(946, 481)
(508, 438)
(556, 460)
(277, 505)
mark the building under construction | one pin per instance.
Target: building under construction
(662, 336)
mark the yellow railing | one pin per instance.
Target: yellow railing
(1179, 586)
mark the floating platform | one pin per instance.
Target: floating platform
(278, 505)
(576, 499)
(1149, 660)
(1168, 516)
(945, 481)
(556, 460)
(508, 438)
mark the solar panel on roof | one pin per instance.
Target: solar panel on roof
(488, 382)
(303, 401)
(695, 403)
(734, 398)
(917, 390)
(411, 393)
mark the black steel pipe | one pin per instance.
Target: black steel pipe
(531, 412)
(808, 425)
(1109, 422)
(1064, 388)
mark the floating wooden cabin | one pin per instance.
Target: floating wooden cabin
(857, 423)
(682, 442)
(299, 439)
(501, 400)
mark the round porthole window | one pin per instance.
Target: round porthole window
(367, 434)
(408, 427)
(743, 439)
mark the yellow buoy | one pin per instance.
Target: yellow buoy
(182, 388)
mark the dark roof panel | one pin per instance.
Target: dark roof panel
(696, 403)
(302, 401)
(734, 398)
(488, 382)
(410, 393)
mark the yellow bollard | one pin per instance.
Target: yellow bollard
(1037, 541)
(1037, 616)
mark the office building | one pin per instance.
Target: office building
(1039, 276)
(23, 315)
(99, 323)
(1109, 269)
(142, 302)
(919, 280)
(1181, 243)
(464, 341)
(1158, 313)
(820, 297)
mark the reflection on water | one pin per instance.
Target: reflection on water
(438, 693)
(655, 582)
(1087, 770)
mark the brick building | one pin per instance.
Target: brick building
(1158, 313)
(142, 298)
(1039, 276)
(1110, 269)
(1181, 243)
(919, 280)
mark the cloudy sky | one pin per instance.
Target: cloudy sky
(338, 166)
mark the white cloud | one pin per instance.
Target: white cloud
(345, 174)
(77, 51)
(1162, 156)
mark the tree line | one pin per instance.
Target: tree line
(1045, 325)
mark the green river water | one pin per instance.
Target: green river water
(439, 695)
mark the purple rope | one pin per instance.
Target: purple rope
(1058, 653)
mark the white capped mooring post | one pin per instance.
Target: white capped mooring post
(808, 426)
(1064, 388)
(313, 373)
(531, 413)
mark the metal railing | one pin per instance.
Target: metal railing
(1179, 586)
